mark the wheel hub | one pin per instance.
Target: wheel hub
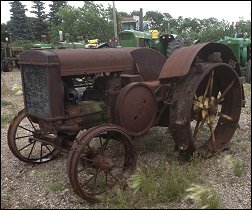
(103, 163)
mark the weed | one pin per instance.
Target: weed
(205, 196)
(231, 162)
(5, 119)
(238, 169)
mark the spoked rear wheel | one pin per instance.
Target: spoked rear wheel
(216, 110)
(22, 134)
(101, 160)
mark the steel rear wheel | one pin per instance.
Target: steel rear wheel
(100, 161)
(216, 110)
(22, 134)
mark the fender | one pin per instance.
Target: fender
(181, 61)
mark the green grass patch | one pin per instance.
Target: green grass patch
(5, 103)
(56, 186)
(150, 186)
(5, 119)
(238, 169)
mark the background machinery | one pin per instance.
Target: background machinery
(138, 33)
(241, 48)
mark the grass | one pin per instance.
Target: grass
(5, 103)
(56, 186)
(233, 164)
(5, 119)
(205, 196)
(238, 169)
(150, 186)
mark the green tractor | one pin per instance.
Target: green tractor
(59, 45)
(138, 33)
(241, 48)
(9, 53)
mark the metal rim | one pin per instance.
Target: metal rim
(21, 134)
(100, 160)
(136, 108)
(216, 110)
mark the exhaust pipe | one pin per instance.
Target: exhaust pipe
(141, 20)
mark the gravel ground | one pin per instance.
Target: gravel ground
(33, 186)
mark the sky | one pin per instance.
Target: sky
(230, 11)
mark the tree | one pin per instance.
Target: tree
(156, 17)
(19, 27)
(54, 8)
(90, 21)
(40, 26)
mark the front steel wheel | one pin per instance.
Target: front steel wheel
(101, 160)
(22, 135)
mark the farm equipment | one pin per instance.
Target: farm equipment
(138, 33)
(9, 54)
(241, 47)
(92, 103)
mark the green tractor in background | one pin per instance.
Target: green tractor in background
(241, 48)
(138, 33)
(9, 53)
(58, 45)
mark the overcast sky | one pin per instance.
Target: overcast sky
(227, 10)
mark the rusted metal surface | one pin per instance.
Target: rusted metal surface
(83, 61)
(39, 57)
(23, 136)
(180, 62)
(196, 90)
(106, 155)
(149, 62)
(212, 103)
(136, 108)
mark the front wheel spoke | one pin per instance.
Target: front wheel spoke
(32, 124)
(96, 174)
(221, 98)
(25, 129)
(27, 146)
(31, 150)
(48, 149)
(106, 144)
(20, 137)
(112, 176)
(114, 145)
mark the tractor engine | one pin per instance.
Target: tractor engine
(70, 90)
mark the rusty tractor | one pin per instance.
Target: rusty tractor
(92, 103)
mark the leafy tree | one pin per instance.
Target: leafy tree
(4, 29)
(155, 16)
(19, 27)
(40, 26)
(90, 21)
(54, 8)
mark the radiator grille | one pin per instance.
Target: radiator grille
(36, 91)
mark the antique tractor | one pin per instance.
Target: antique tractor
(92, 103)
